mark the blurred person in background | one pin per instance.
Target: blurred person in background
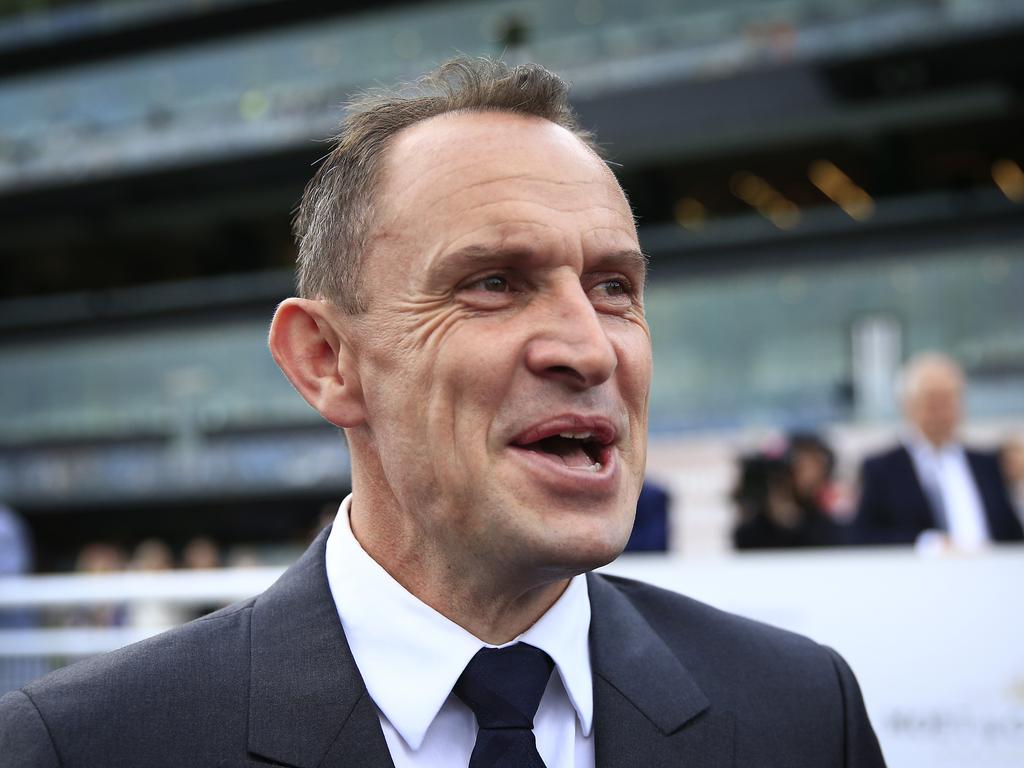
(930, 485)
(472, 316)
(1011, 461)
(201, 554)
(650, 526)
(100, 557)
(788, 500)
(244, 556)
(153, 556)
(16, 556)
(813, 463)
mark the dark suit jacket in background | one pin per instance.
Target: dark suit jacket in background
(271, 681)
(893, 508)
(650, 526)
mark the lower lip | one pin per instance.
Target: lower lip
(553, 471)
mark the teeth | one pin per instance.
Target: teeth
(575, 435)
(595, 467)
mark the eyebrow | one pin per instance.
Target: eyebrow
(483, 256)
(635, 259)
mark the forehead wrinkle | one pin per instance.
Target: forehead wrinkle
(567, 207)
(558, 200)
(530, 178)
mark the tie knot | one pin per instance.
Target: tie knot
(503, 686)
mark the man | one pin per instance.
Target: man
(931, 485)
(472, 317)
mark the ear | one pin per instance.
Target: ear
(308, 345)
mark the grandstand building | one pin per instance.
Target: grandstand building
(824, 189)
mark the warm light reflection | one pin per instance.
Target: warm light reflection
(691, 214)
(841, 189)
(1009, 177)
(763, 197)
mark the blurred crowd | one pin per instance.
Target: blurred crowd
(150, 555)
(928, 488)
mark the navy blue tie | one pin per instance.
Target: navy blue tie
(503, 687)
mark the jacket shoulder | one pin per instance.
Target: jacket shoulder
(178, 653)
(191, 679)
(778, 687)
(884, 459)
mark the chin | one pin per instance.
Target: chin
(588, 547)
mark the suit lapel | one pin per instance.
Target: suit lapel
(648, 709)
(922, 508)
(308, 706)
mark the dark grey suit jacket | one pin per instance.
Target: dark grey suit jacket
(271, 681)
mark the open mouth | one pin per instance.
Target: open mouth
(576, 450)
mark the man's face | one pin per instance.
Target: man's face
(935, 407)
(504, 358)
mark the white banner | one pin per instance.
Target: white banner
(937, 643)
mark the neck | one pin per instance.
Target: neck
(912, 433)
(495, 605)
(937, 442)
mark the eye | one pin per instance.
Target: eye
(491, 290)
(612, 290)
(614, 287)
(494, 284)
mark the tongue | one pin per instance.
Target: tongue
(569, 451)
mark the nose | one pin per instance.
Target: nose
(570, 343)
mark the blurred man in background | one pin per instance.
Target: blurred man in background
(472, 316)
(15, 543)
(1011, 460)
(931, 483)
(16, 559)
(650, 527)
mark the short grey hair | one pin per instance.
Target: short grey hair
(332, 225)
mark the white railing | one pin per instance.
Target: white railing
(185, 587)
(182, 589)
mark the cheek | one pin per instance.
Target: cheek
(474, 375)
(635, 368)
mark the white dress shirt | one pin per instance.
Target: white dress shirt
(945, 473)
(410, 657)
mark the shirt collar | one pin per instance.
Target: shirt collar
(919, 445)
(401, 644)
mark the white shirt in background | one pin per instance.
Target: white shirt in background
(945, 471)
(410, 657)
